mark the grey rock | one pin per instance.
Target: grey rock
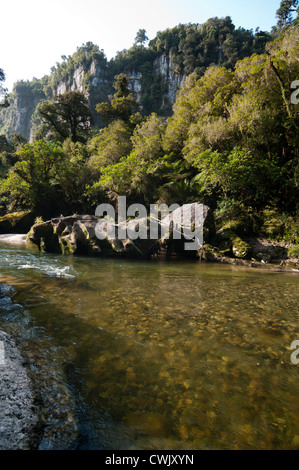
(18, 416)
(79, 234)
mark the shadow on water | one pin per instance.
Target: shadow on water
(162, 356)
(69, 342)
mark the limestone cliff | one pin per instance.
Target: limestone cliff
(17, 118)
(156, 71)
(95, 81)
(172, 80)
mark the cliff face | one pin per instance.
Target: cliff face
(95, 81)
(100, 83)
(17, 118)
(156, 71)
(171, 80)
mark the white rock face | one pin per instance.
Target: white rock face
(173, 80)
(75, 85)
(20, 113)
(135, 84)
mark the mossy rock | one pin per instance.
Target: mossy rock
(17, 222)
(207, 253)
(240, 248)
(224, 241)
(42, 245)
(66, 246)
(43, 236)
(293, 252)
(229, 244)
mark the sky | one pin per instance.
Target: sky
(34, 34)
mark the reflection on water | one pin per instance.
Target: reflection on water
(164, 355)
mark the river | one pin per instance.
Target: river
(156, 355)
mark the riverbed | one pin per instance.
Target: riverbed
(156, 355)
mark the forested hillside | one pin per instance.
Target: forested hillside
(229, 139)
(155, 69)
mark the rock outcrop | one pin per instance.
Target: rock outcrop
(95, 80)
(16, 222)
(90, 235)
(17, 408)
(170, 79)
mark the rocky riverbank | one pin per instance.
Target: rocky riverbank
(31, 389)
(77, 235)
(19, 415)
(37, 411)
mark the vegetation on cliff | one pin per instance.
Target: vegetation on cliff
(231, 141)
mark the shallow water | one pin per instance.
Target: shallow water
(161, 355)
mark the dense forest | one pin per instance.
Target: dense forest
(230, 140)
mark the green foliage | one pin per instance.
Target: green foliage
(285, 12)
(116, 179)
(278, 225)
(29, 182)
(110, 145)
(293, 251)
(48, 179)
(68, 116)
(194, 47)
(240, 219)
(139, 173)
(123, 104)
(73, 176)
(238, 173)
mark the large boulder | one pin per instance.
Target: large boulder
(186, 230)
(77, 235)
(92, 235)
(16, 222)
(67, 235)
(192, 216)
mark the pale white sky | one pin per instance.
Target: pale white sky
(34, 34)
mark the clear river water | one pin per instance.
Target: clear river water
(155, 355)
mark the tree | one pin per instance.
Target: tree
(72, 177)
(3, 91)
(123, 104)
(110, 145)
(30, 181)
(68, 116)
(239, 174)
(141, 37)
(285, 12)
(138, 174)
